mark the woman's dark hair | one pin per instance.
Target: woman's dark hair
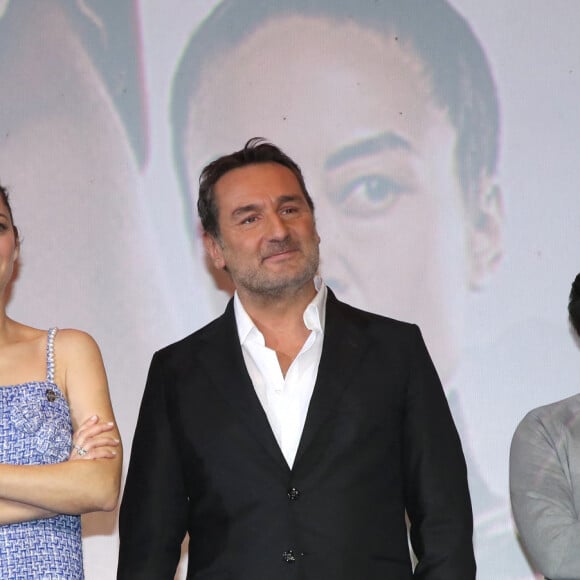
(6, 202)
(574, 304)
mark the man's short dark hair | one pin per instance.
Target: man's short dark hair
(454, 60)
(256, 150)
(574, 304)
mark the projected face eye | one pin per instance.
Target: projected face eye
(368, 195)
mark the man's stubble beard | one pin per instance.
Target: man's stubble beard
(271, 286)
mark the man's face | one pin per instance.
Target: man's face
(268, 240)
(355, 110)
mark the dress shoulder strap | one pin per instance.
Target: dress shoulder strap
(50, 355)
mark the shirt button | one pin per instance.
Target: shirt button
(293, 494)
(288, 556)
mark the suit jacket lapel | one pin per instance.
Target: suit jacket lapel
(224, 362)
(344, 344)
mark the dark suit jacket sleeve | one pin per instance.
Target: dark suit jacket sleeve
(437, 496)
(154, 510)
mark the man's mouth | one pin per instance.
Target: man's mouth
(280, 253)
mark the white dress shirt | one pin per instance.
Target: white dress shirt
(285, 400)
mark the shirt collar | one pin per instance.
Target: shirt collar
(314, 315)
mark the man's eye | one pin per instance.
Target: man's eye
(249, 220)
(368, 195)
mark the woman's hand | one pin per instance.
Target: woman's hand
(72, 486)
(92, 440)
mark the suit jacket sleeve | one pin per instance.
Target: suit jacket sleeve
(542, 463)
(437, 495)
(154, 509)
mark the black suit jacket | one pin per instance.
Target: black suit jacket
(379, 440)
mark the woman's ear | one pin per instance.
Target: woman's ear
(17, 245)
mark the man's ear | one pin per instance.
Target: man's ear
(214, 251)
(485, 236)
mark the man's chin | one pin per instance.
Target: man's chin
(279, 287)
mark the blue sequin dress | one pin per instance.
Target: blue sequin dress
(35, 428)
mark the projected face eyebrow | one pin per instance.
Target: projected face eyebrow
(365, 147)
(377, 155)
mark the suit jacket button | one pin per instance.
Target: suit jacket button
(288, 556)
(293, 494)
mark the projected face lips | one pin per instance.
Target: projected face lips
(355, 110)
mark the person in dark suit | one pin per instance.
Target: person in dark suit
(293, 435)
(405, 168)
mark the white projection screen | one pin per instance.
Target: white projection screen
(440, 142)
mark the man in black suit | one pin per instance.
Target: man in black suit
(291, 436)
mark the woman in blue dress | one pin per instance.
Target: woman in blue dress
(60, 452)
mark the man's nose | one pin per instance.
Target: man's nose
(277, 227)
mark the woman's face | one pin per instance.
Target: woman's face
(8, 246)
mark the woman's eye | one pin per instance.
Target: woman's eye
(369, 194)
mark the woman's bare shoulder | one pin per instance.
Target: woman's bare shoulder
(72, 343)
